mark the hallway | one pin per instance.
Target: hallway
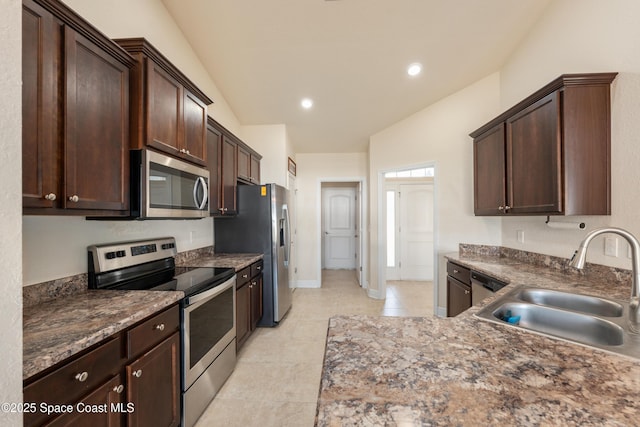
(277, 376)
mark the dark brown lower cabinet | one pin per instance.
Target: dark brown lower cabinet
(255, 293)
(243, 301)
(132, 378)
(248, 301)
(153, 386)
(458, 297)
(99, 409)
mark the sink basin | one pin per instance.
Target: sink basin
(587, 320)
(563, 324)
(575, 302)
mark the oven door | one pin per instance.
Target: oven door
(172, 188)
(209, 325)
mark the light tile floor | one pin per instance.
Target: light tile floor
(277, 376)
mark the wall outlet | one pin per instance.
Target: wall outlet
(520, 236)
(611, 246)
(191, 234)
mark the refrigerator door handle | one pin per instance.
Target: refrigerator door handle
(287, 234)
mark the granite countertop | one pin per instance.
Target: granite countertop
(462, 371)
(237, 261)
(57, 329)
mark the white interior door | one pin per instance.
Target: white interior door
(416, 231)
(339, 227)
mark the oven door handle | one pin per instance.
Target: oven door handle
(209, 293)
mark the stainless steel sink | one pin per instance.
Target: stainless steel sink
(561, 323)
(575, 302)
(587, 320)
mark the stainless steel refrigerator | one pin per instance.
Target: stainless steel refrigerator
(261, 226)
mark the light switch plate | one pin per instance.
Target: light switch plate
(520, 235)
(611, 246)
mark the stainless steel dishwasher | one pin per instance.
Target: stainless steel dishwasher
(483, 286)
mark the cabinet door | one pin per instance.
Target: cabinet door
(96, 142)
(40, 50)
(153, 386)
(489, 172)
(164, 109)
(256, 301)
(214, 157)
(107, 399)
(244, 164)
(458, 297)
(229, 175)
(243, 319)
(255, 170)
(533, 158)
(195, 128)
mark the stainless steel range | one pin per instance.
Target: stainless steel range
(208, 328)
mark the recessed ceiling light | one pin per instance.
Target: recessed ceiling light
(306, 103)
(414, 69)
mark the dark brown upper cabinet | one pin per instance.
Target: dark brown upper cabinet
(75, 111)
(168, 111)
(550, 154)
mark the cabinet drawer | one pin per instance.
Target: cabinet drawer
(152, 331)
(74, 380)
(459, 272)
(243, 277)
(256, 268)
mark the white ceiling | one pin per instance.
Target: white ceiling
(349, 56)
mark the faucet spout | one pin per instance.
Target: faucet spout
(580, 256)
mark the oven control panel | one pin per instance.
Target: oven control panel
(113, 256)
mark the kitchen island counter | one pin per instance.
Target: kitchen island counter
(463, 371)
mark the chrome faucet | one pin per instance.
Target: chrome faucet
(580, 256)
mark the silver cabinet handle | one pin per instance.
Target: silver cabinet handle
(259, 268)
(137, 373)
(466, 292)
(500, 208)
(50, 196)
(244, 276)
(506, 208)
(82, 377)
(74, 198)
(159, 327)
(455, 271)
(188, 152)
(118, 389)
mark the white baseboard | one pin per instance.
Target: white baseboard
(307, 284)
(375, 293)
(441, 311)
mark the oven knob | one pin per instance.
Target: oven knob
(121, 254)
(111, 255)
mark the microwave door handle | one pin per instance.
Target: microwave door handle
(205, 196)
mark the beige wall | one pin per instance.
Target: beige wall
(55, 247)
(10, 211)
(312, 169)
(272, 143)
(585, 36)
(438, 135)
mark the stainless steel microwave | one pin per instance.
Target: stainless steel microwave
(166, 187)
